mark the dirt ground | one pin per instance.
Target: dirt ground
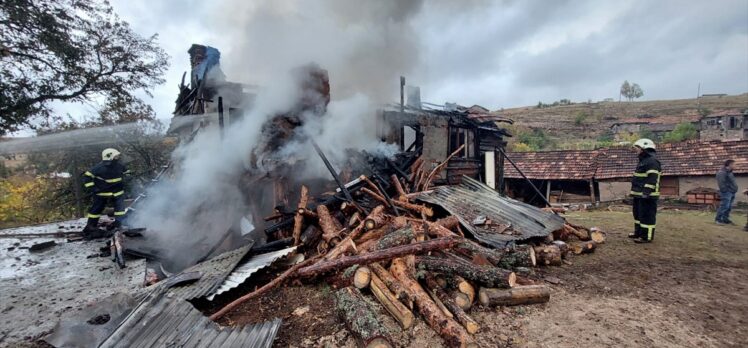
(687, 289)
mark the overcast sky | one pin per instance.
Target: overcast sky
(497, 54)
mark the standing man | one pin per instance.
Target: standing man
(645, 189)
(106, 180)
(728, 187)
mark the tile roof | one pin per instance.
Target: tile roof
(559, 165)
(690, 158)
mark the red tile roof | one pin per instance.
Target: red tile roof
(691, 158)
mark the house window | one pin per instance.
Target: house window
(712, 122)
(734, 124)
(460, 136)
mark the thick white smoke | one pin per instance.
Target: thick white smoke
(364, 51)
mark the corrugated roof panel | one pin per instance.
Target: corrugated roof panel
(213, 271)
(245, 270)
(164, 321)
(509, 219)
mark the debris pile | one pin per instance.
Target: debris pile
(419, 250)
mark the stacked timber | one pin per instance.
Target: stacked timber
(389, 255)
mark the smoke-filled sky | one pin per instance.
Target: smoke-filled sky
(493, 53)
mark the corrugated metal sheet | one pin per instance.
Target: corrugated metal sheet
(509, 219)
(245, 270)
(213, 271)
(164, 321)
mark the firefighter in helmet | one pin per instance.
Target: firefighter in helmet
(106, 181)
(645, 189)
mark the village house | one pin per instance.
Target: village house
(591, 176)
(725, 125)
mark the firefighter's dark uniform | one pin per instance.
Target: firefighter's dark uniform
(107, 181)
(645, 188)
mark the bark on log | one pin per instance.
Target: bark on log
(398, 188)
(562, 247)
(436, 230)
(457, 312)
(451, 222)
(360, 319)
(421, 209)
(453, 334)
(400, 237)
(520, 295)
(518, 256)
(376, 256)
(331, 228)
(489, 276)
(298, 220)
(375, 219)
(347, 245)
(548, 255)
(479, 254)
(372, 235)
(362, 277)
(393, 284)
(578, 231)
(374, 195)
(372, 185)
(583, 247)
(391, 303)
(462, 300)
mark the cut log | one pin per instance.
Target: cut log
(520, 295)
(298, 220)
(597, 235)
(420, 209)
(376, 256)
(578, 231)
(374, 195)
(361, 319)
(372, 186)
(453, 334)
(375, 219)
(548, 255)
(562, 247)
(464, 287)
(400, 237)
(373, 235)
(479, 254)
(347, 245)
(457, 312)
(583, 247)
(451, 222)
(398, 188)
(518, 256)
(362, 277)
(390, 302)
(489, 276)
(436, 230)
(393, 284)
(331, 228)
(462, 300)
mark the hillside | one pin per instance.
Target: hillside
(579, 125)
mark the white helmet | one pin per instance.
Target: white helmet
(109, 154)
(645, 144)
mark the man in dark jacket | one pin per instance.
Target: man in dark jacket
(728, 187)
(106, 181)
(645, 189)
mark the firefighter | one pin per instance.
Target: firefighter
(106, 181)
(645, 189)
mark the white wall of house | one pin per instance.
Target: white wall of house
(687, 183)
(617, 190)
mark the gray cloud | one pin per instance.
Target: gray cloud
(498, 54)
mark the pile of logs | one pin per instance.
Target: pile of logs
(383, 244)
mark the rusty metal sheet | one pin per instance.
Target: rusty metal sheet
(506, 219)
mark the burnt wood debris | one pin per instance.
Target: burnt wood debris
(421, 235)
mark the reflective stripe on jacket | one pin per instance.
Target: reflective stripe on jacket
(646, 178)
(106, 178)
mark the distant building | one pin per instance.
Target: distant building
(588, 176)
(725, 125)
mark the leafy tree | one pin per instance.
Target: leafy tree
(69, 51)
(520, 147)
(631, 91)
(682, 132)
(23, 201)
(536, 139)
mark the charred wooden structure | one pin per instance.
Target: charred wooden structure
(434, 134)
